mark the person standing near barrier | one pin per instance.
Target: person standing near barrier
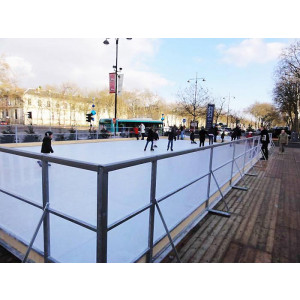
(46, 145)
(202, 134)
(136, 132)
(283, 140)
(171, 137)
(265, 140)
(142, 128)
(150, 139)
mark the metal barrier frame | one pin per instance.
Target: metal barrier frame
(102, 228)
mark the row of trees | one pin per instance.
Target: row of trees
(287, 85)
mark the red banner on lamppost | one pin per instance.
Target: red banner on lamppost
(112, 82)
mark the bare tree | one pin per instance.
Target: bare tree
(193, 101)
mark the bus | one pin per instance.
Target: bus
(124, 127)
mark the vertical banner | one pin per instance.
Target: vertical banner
(120, 83)
(112, 82)
(210, 116)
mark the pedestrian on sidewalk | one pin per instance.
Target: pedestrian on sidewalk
(283, 140)
(265, 140)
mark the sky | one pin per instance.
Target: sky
(239, 68)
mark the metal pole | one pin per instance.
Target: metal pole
(102, 214)
(209, 176)
(46, 222)
(116, 81)
(233, 155)
(152, 211)
(16, 134)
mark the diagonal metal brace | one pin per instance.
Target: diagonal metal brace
(219, 212)
(35, 233)
(167, 231)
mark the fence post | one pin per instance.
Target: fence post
(152, 211)
(46, 222)
(209, 176)
(16, 130)
(233, 155)
(102, 214)
(76, 135)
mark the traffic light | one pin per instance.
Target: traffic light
(29, 115)
(88, 117)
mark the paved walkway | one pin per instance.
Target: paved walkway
(265, 221)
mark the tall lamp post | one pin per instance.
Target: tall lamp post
(196, 87)
(106, 42)
(228, 108)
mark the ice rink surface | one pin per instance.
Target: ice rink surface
(73, 192)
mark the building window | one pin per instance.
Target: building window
(29, 101)
(57, 105)
(39, 103)
(48, 103)
(16, 114)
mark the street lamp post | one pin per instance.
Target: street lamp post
(196, 87)
(228, 108)
(106, 42)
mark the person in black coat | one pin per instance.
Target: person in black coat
(192, 137)
(150, 139)
(46, 145)
(215, 132)
(265, 140)
(171, 137)
(202, 134)
(211, 132)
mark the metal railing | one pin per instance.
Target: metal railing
(17, 134)
(249, 149)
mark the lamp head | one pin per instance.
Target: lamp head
(106, 42)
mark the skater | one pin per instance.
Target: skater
(171, 137)
(182, 132)
(222, 136)
(192, 137)
(202, 134)
(283, 140)
(265, 140)
(150, 139)
(215, 132)
(46, 145)
(142, 129)
(178, 133)
(233, 135)
(211, 136)
(136, 132)
(155, 138)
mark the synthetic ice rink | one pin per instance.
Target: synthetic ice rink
(73, 191)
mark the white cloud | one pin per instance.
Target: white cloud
(85, 62)
(250, 51)
(19, 66)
